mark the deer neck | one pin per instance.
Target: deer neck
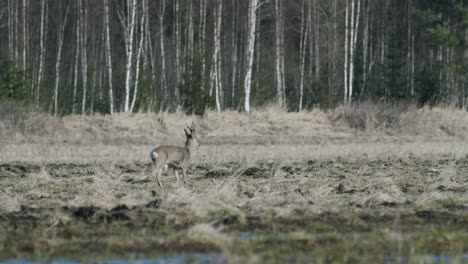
(191, 146)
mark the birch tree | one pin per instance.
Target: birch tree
(279, 68)
(316, 41)
(84, 53)
(216, 65)
(128, 21)
(108, 56)
(351, 32)
(24, 31)
(77, 57)
(190, 46)
(234, 48)
(42, 48)
(302, 50)
(253, 5)
(346, 53)
(365, 45)
(177, 46)
(58, 60)
(202, 30)
(353, 36)
(163, 55)
(137, 64)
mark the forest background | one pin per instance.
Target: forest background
(81, 57)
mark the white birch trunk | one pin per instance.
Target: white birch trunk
(316, 42)
(283, 72)
(234, 54)
(16, 45)
(250, 52)
(163, 55)
(177, 51)
(42, 51)
(190, 48)
(10, 27)
(335, 50)
(108, 56)
(57, 63)
(84, 54)
(302, 50)
(25, 39)
(278, 46)
(354, 34)
(217, 61)
(129, 29)
(365, 55)
(351, 52)
(346, 50)
(137, 65)
(202, 41)
(149, 47)
(410, 49)
(77, 59)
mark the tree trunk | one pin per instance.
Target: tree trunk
(108, 56)
(278, 49)
(84, 53)
(316, 41)
(302, 50)
(128, 24)
(234, 53)
(57, 63)
(202, 41)
(346, 51)
(42, 47)
(365, 55)
(77, 58)
(137, 65)
(253, 5)
(190, 47)
(163, 56)
(24, 31)
(216, 65)
(177, 51)
(10, 27)
(354, 34)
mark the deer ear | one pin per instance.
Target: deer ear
(192, 127)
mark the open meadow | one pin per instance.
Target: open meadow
(364, 184)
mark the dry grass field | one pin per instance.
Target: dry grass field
(362, 184)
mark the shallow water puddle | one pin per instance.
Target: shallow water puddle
(181, 259)
(463, 258)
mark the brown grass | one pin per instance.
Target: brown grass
(350, 170)
(269, 126)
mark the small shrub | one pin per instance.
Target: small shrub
(370, 115)
(23, 119)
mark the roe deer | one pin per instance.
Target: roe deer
(177, 158)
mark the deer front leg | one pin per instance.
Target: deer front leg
(158, 178)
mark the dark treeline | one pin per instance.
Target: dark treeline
(83, 56)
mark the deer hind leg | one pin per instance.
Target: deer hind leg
(185, 176)
(177, 176)
(158, 171)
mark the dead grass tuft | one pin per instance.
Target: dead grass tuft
(207, 234)
(266, 126)
(403, 119)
